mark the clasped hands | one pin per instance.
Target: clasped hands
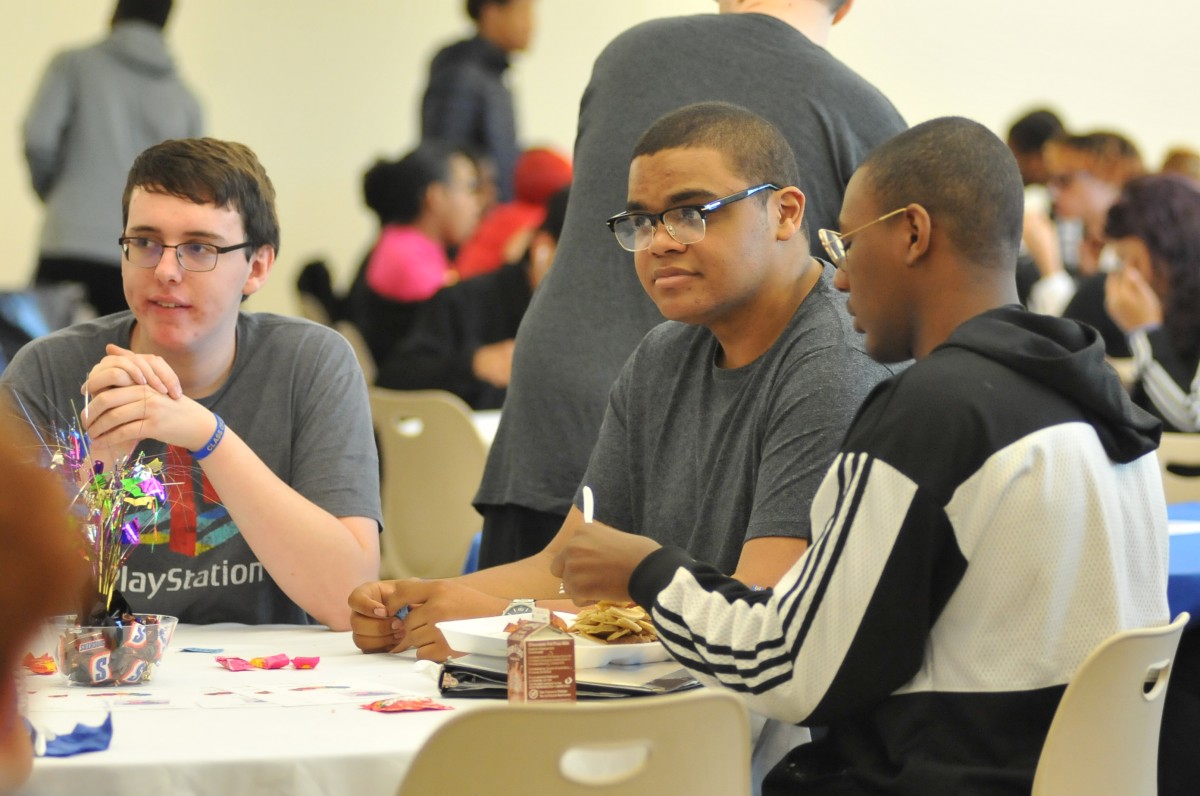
(396, 615)
(129, 397)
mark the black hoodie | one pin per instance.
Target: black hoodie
(1069, 358)
(1001, 376)
(995, 513)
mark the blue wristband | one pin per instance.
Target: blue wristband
(213, 441)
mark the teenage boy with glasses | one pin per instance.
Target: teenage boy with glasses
(994, 512)
(262, 421)
(591, 311)
(724, 418)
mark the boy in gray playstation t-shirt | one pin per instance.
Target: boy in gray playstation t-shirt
(272, 510)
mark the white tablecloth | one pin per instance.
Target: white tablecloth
(188, 749)
(486, 422)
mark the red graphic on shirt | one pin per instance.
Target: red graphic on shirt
(181, 497)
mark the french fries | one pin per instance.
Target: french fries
(614, 623)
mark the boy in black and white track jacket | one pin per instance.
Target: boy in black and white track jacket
(995, 511)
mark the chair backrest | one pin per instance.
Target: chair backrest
(362, 352)
(432, 464)
(1104, 737)
(696, 743)
(312, 309)
(1179, 459)
(314, 288)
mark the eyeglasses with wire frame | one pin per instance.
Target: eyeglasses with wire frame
(634, 230)
(147, 253)
(835, 242)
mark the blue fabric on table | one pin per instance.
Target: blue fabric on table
(1183, 584)
(1183, 511)
(82, 739)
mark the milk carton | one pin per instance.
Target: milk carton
(541, 664)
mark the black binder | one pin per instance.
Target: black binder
(487, 677)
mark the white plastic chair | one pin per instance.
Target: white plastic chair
(696, 743)
(362, 352)
(1104, 737)
(1179, 459)
(432, 464)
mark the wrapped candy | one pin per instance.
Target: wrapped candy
(234, 664)
(404, 705)
(42, 664)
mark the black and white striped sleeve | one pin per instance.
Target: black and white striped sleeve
(845, 626)
(1180, 407)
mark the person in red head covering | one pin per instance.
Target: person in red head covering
(503, 234)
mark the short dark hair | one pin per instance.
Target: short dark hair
(153, 11)
(1031, 132)
(210, 171)
(395, 189)
(835, 5)
(1107, 155)
(755, 148)
(475, 7)
(964, 176)
(1163, 212)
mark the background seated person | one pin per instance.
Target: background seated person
(426, 201)
(724, 418)
(1154, 297)
(1041, 248)
(262, 422)
(1181, 160)
(1087, 172)
(995, 511)
(462, 338)
(503, 233)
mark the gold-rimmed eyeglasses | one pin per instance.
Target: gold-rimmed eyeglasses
(835, 242)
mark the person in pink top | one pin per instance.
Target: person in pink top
(426, 202)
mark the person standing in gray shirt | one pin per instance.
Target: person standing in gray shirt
(97, 107)
(591, 312)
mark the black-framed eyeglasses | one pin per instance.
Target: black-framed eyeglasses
(634, 230)
(147, 253)
(835, 242)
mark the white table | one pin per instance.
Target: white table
(188, 749)
(486, 422)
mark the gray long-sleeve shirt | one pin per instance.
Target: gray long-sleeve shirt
(96, 109)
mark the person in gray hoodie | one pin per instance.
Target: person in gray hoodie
(96, 109)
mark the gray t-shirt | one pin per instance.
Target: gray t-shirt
(295, 395)
(590, 312)
(705, 458)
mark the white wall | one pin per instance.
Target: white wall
(321, 89)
